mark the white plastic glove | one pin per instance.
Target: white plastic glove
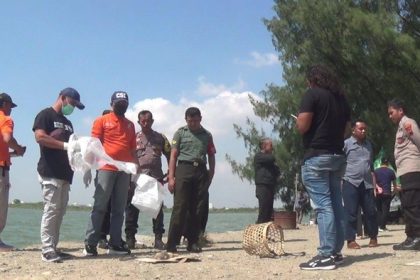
(87, 178)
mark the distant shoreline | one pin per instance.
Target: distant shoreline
(39, 205)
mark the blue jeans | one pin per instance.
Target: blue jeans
(322, 176)
(108, 185)
(353, 197)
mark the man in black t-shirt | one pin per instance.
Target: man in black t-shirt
(324, 117)
(52, 131)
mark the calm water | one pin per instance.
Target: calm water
(22, 228)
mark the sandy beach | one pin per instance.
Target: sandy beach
(225, 259)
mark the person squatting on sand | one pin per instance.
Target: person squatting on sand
(266, 177)
(323, 121)
(52, 131)
(358, 186)
(407, 160)
(118, 138)
(149, 149)
(189, 179)
(6, 141)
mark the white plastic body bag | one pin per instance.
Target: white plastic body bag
(148, 196)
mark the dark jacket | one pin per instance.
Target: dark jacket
(266, 169)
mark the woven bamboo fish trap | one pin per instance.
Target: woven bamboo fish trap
(264, 240)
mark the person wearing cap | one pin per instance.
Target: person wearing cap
(7, 141)
(189, 179)
(52, 131)
(117, 135)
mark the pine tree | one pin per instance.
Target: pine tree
(373, 47)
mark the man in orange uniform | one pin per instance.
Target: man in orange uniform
(118, 138)
(6, 141)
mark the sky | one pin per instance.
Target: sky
(167, 55)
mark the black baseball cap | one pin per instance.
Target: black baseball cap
(119, 96)
(5, 97)
(72, 93)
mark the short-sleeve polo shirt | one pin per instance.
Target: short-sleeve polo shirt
(118, 137)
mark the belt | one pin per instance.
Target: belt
(193, 163)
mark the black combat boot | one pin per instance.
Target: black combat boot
(131, 241)
(158, 242)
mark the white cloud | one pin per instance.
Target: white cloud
(220, 111)
(209, 89)
(259, 60)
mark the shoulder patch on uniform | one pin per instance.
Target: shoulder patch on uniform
(408, 128)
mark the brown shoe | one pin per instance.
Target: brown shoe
(373, 242)
(352, 245)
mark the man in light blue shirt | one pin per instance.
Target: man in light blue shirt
(358, 186)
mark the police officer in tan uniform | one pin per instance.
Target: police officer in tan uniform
(150, 145)
(407, 160)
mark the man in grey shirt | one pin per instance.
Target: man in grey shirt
(358, 186)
